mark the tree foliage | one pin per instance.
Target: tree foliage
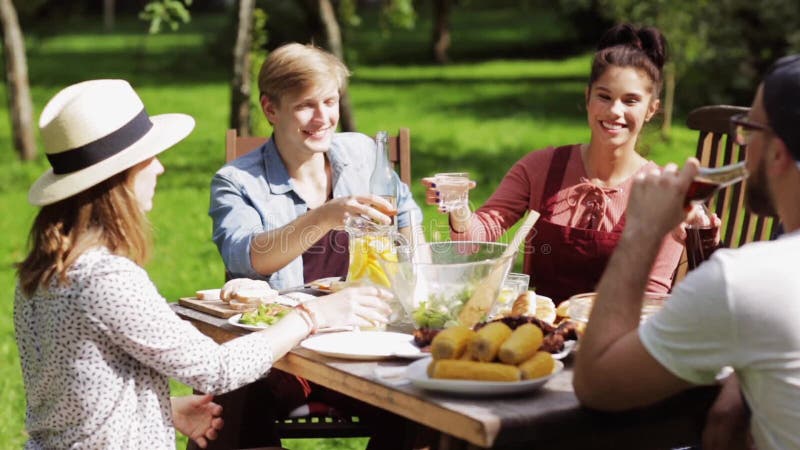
(400, 14)
(170, 12)
(720, 48)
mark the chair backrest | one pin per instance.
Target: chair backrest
(716, 147)
(399, 149)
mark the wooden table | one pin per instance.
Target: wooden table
(550, 416)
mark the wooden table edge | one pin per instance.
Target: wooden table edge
(365, 390)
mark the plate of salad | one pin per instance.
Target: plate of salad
(262, 317)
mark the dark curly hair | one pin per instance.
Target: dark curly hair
(626, 45)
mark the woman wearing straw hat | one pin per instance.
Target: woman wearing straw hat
(96, 341)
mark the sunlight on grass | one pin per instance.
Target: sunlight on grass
(479, 117)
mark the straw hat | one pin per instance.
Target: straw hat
(96, 129)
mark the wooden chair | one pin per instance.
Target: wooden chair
(715, 148)
(317, 426)
(399, 150)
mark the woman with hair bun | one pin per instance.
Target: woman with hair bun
(581, 190)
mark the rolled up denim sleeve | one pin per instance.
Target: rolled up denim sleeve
(235, 221)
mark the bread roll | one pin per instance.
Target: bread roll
(563, 309)
(522, 305)
(530, 304)
(451, 342)
(521, 345)
(545, 308)
(487, 341)
(456, 369)
(539, 365)
(255, 295)
(243, 306)
(208, 294)
(246, 287)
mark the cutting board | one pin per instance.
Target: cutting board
(216, 308)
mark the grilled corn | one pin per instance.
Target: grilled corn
(487, 341)
(521, 345)
(451, 342)
(471, 370)
(537, 366)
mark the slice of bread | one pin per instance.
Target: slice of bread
(545, 309)
(254, 295)
(524, 305)
(208, 294)
(241, 306)
(530, 304)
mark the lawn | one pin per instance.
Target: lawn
(479, 116)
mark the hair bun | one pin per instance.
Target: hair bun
(648, 39)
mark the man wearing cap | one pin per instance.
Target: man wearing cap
(738, 309)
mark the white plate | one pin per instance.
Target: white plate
(364, 345)
(296, 298)
(568, 347)
(417, 373)
(234, 320)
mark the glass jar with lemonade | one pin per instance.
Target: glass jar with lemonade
(369, 244)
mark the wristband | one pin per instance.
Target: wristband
(308, 316)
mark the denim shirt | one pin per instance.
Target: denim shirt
(254, 193)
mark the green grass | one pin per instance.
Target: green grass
(479, 116)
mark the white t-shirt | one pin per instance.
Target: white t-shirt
(740, 309)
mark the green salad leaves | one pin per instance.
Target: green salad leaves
(265, 315)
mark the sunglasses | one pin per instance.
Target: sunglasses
(742, 128)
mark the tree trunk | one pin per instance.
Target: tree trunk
(240, 84)
(333, 40)
(669, 100)
(19, 94)
(108, 14)
(441, 30)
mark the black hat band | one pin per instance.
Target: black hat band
(92, 153)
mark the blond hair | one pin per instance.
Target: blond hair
(295, 67)
(106, 214)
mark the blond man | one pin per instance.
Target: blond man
(278, 214)
(278, 211)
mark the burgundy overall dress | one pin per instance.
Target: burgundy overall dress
(561, 260)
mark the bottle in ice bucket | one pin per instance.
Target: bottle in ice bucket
(382, 181)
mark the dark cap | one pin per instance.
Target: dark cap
(782, 101)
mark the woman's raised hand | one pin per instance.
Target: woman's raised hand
(362, 306)
(434, 196)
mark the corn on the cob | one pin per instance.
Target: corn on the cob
(471, 370)
(487, 341)
(521, 345)
(431, 367)
(537, 366)
(451, 342)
